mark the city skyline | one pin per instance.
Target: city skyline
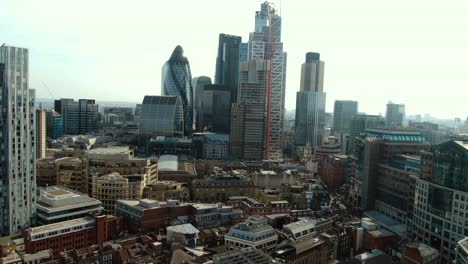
(366, 52)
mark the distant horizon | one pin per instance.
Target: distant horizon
(410, 52)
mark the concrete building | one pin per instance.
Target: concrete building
(79, 117)
(162, 116)
(310, 103)
(112, 187)
(379, 146)
(212, 146)
(249, 118)
(243, 255)
(18, 142)
(250, 206)
(185, 234)
(175, 168)
(167, 190)
(57, 204)
(41, 130)
(220, 188)
(254, 232)
(395, 115)
(310, 250)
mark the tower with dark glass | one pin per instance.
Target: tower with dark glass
(177, 81)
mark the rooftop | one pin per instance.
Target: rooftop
(464, 244)
(394, 135)
(57, 198)
(381, 233)
(109, 150)
(184, 229)
(61, 225)
(463, 144)
(168, 163)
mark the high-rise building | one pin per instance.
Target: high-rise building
(79, 117)
(265, 45)
(395, 115)
(440, 217)
(227, 64)
(177, 81)
(342, 115)
(54, 124)
(162, 116)
(198, 84)
(41, 128)
(216, 108)
(310, 103)
(359, 123)
(18, 142)
(249, 120)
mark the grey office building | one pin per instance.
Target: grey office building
(79, 117)
(18, 142)
(227, 64)
(162, 116)
(216, 108)
(342, 115)
(198, 84)
(248, 117)
(177, 81)
(310, 103)
(395, 115)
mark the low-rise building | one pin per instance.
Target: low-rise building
(420, 253)
(58, 204)
(220, 188)
(311, 250)
(250, 206)
(174, 168)
(185, 234)
(254, 232)
(243, 255)
(164, 190)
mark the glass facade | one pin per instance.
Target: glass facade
(451, 165)
(177, 81)
(342, 115)
(54, 125)
(310, 118)
(227, 64)
(162, 116)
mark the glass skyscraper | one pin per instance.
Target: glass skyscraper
(198, 84)
(265, 45)
(17, 142)
(227, 63)
(162, 116)
(395, 115)
(342, 115)
(310, 103)
(177, 81)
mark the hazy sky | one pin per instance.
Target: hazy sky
(413, 52)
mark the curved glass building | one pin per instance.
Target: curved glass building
(177, 81)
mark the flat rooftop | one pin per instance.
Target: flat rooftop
(62, 225)
(57, 198)
(110, 150)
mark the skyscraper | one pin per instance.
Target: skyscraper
(265, 45)
(310, 103)
(249, 120)
(54, 124)
(395, 115)
(216, 108)
(227, 63)
(342, 115)
(198, 84)
(177, 81)
(18, 145)
(79, 117)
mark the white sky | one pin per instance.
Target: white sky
(413, 52)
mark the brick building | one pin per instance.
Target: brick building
(250, 206)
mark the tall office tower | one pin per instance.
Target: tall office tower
(216, 108)
(198, 84)
(162, 116)
(41, 128)
(79, 117)
(265, 45)
(440, 210)
(248, 117)
(54, 124)
(395, 115)
(177, 81)
(18, 145)
(310, 103)
(227, 63)
(342, 115)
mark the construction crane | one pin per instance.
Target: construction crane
(47, 87)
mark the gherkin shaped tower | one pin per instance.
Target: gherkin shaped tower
(177, 81)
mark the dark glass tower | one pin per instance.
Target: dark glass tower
(227, 63)
(177, 81)
(343, 114)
